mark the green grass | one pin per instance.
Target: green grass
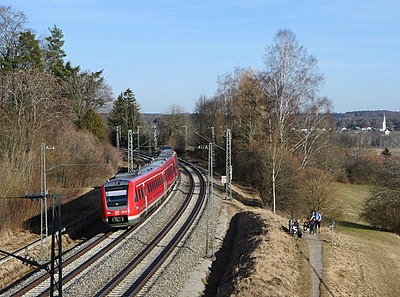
(363, 252)
(352, 199)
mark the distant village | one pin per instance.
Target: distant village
(384, 128)
(377, 120)
(375, 129)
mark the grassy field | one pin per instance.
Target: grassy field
(363, 261)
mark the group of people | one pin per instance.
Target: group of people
(315, 218)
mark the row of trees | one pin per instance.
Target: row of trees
(285, 142)
(283, 136)
(44, 99)
(281, 127)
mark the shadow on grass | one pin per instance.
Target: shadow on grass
(234, 261)
(80, 216)
(356, 225)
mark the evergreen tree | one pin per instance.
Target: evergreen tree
(54, 53)
(126, 114)
(94, 124)
(29, 54)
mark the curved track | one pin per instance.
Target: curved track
(130, 282)
(139, 271)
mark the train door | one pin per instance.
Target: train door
(146, 205)
(140, 199)
(165, 180)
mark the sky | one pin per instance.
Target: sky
(171, 52)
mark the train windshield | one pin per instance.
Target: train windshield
(116, 196)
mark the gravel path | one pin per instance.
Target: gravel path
(315, 247)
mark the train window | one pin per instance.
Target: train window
(136, 195)
(139, 194)
(116, 195)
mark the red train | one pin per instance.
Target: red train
(129, 196)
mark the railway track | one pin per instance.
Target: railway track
(83, 264)
(134, 277)
(34, 245)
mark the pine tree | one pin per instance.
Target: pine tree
(126, 114)
(29, 54)
(54, 55)
(94, 124)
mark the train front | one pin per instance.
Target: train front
(115, 202)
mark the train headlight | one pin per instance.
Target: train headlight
(137, 207)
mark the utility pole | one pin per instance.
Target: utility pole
(210, 202)
(155, 137)
(44, 251)
(138, 137)
(228, 170)
(130, 151)
(213, 144)
(56, 236)
(118, 135)
(56, 261)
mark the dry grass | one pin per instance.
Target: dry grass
(279, 267)
(276, 263)
(73, 209)
(364, 262)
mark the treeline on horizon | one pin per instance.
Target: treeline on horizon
(283, 138)
(367, 118)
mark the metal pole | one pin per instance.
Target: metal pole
(185, 137)
(44, 251)
(210, 201)
(138, 138)
(228, 169)
(213, 144)
(117, 135)
(130, 151)
(59, 247)
(53, 252)
(56, 264)
(155, 137)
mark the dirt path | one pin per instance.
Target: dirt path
(315, 260)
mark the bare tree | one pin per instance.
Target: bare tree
(172, 126)
(88, 90)
(315, 132)
(291, 82)
(12, 23)
(30, 102)
(242, 96)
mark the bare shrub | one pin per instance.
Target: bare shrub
(13, 184)
(382, 209)
(80, 159)
(317, 193)
(257, 168)
(363, 167)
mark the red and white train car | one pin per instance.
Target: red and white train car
(129, 196)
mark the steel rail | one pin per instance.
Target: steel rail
(153, 267)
